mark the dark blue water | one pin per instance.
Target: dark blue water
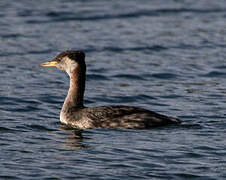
(166, 56)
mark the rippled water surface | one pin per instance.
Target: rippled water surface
(166, 56)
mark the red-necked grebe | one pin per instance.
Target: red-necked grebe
(75, 114)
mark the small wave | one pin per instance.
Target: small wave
(8, 177)
(58, 16)
(220, 67)
(164, 75)
(39, 127)
(96, 77)
(172, 96)
(214, 74)
(12, 35)
(142, 48)
(6, 130)
(128, 76)
(191, 126)
(187, 175)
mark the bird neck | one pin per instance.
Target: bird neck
(76, 90)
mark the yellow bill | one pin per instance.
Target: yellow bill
(49, 64)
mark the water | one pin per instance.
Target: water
(164, 56)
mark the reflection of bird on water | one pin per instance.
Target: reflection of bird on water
(75, 114)
(75, 139)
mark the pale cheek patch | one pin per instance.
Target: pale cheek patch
(70, 65)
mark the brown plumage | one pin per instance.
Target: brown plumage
(75, 114)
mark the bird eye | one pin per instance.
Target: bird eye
(58, 59)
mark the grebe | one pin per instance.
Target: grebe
(75, 114)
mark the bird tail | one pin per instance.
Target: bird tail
(175, 120)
